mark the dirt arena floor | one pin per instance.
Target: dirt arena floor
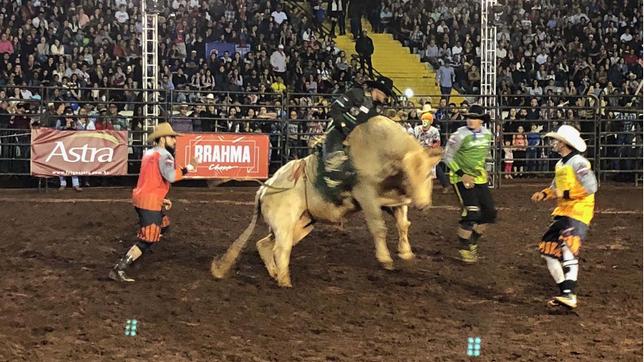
(57, 305)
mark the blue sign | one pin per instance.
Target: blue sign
(474, 347)
(130, 327)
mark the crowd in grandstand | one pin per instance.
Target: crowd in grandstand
(86, 46)
(551, 52)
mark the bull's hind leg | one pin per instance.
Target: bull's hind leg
(266, 246)
(367, 197)
(282, 254)
(402, 223)
(265, 250)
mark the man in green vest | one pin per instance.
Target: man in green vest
(465, 156)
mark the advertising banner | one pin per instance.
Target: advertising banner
(78, 153)
(225, 155)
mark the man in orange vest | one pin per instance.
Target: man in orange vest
(158, 171)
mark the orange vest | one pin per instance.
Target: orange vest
(151, 187)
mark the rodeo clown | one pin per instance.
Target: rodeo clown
(349, 110)
(429, 136)
(574, 187)
(465, 156)
(158, 171)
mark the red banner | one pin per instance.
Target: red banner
(225, 155)
(78, 153)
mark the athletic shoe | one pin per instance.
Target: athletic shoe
(469, 255)
(119, 276)
(566, 300)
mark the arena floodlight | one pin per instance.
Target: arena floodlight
(409, 93)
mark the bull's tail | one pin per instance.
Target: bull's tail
(220, 267)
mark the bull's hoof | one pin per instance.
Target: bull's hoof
(388, 265)
(284, 284)
(407, 256)
(217, 271)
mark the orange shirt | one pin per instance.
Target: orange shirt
(158, 171)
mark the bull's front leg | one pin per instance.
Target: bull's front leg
(368, 199)
(402, 223)
(282, 254)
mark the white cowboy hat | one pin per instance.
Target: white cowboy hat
(569, 135)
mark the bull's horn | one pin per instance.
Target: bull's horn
(220, 267)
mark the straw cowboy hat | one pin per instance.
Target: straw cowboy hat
(570, 136)
(162, 130)
(427, 108)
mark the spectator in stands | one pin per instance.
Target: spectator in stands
(279, 16)
(534, 112)
(336, 10)
(118, 122)
(68, 122)
(278, 85)
(431, 53)
(445, 77)
(6, 46)
(364, 48)
(532, 153)
(279, 62)
(182, 122)
(103, 122)
(84, 122)
(519, 145)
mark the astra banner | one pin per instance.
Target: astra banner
(78, 153)
(225, 155)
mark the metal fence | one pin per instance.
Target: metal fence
(295, 122)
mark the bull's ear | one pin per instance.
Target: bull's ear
(412, 163)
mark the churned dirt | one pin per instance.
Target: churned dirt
(57, 305)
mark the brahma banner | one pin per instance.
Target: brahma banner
(78, 153)
(225, 155)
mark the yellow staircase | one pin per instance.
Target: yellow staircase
(395, 61)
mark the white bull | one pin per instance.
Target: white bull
(393, 171)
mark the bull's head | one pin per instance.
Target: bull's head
(418, 166)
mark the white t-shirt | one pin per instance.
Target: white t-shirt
(279, 17)
(176, 3)
(542, 58)
(121, 16)
(278, 61)
(57, 50)
(625, 38)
